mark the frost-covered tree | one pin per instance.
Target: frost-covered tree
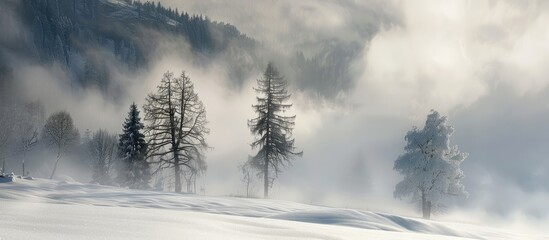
(102, 149)
(60, 133)
(430, 166)
(133, 169)
(176, 125)
(274, 131)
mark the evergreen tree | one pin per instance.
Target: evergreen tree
(134, 170)
(275, 142)
(431, 166)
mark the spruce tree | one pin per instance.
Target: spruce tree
(134, 170)
(275, 142)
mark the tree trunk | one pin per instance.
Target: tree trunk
(189, 189)
(248, 189)
(425, 206)
(177, 177)
(268, 133)
(428, 214)
(54, 167)
(266, 178)
(194, 184)
(23, 165)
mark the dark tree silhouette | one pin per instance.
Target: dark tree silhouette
(274, 131)
(176, 126)
(133, 169)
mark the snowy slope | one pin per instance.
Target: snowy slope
(46, 209)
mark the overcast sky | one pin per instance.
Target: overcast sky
(484, 64)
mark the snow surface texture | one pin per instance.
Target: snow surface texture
(48, 209)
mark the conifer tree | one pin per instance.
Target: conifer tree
(274, 131)
(134, 170)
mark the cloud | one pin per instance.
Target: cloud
(285, 25)
(448, 55)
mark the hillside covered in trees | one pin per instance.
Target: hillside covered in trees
(94, 40)
(82, 35)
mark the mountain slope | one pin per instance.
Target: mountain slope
(89, 38)
(94, 40)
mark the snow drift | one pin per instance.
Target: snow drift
(49, 209)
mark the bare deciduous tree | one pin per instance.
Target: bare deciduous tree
(7, 123)
(29, 119)
(195, 169)
(176, 125)
(247, 177)
(59, 133)
(102, 148)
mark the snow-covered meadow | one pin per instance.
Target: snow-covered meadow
(51, 209)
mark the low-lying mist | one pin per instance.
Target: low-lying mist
(481, 64)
